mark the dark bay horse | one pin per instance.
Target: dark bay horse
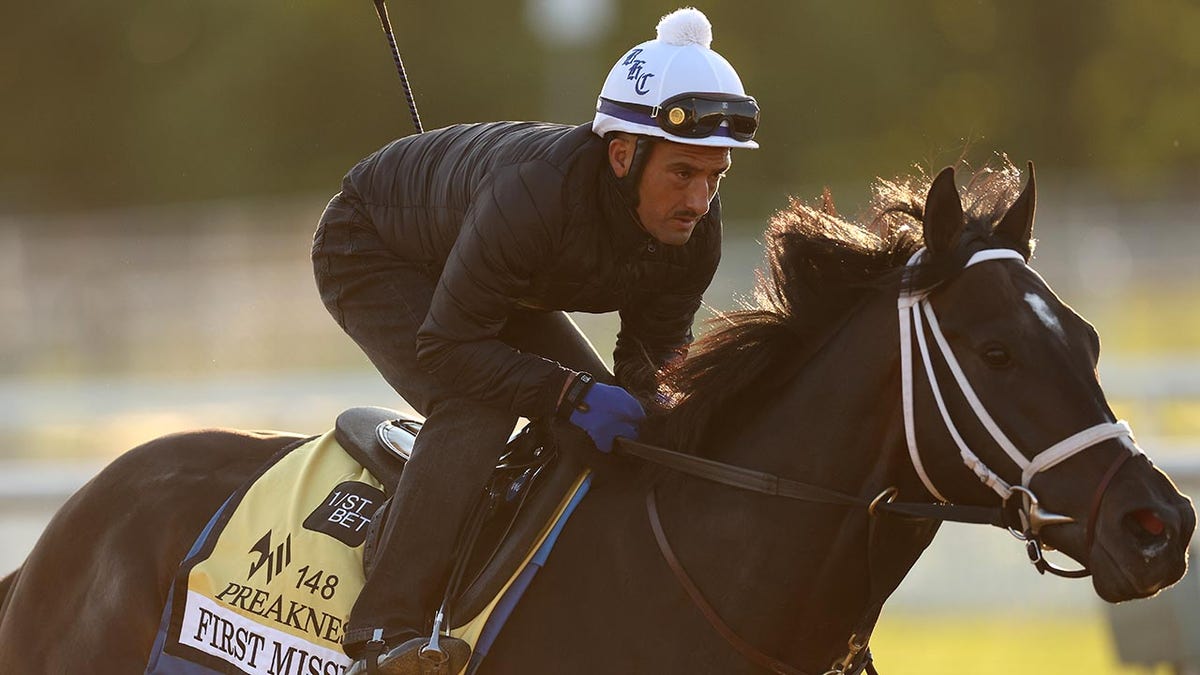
(913, 358)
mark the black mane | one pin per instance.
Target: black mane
(820, 267)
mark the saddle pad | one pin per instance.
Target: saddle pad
(268, 586)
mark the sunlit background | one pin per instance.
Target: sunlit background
(165, 162)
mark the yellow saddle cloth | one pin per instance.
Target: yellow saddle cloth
(269, 584)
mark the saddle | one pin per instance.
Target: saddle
(529, 484)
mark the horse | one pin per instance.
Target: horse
(831, 384)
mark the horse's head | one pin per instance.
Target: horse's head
(1015, 369)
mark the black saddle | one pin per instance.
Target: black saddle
(530, 482)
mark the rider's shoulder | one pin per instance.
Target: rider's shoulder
(499, 145)
(546, 155)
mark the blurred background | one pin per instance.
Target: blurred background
(165, 162)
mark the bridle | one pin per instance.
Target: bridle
(1023, 517)
(915, 310)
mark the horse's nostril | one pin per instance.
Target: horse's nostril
(1149, 532)
(1149, 521)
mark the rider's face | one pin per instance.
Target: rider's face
(678, 183)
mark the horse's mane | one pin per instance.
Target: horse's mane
(820, 266)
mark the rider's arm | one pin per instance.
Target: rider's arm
(506, 235)
(656, 328)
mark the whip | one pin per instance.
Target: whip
(381, 9)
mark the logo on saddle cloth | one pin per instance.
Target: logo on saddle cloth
(346, 512)
(268, 587)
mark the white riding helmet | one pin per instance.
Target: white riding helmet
(676, 87)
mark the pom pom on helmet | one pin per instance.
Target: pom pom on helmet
(675, 87)
(685, 26)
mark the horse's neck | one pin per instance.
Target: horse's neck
(795, 575)
(791, 578)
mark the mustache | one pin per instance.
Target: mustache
(688, 214)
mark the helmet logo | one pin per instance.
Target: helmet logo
(676, 115)
(635, 72)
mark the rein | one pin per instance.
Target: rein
(744, 648)
(1024, 518)
(858, 659)
(778, 486)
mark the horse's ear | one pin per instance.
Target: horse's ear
(943, 222)
(1017, 225)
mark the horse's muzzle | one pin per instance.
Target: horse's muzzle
(1141, 546)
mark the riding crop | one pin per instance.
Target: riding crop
(381, 9)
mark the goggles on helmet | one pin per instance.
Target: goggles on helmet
(692, 115)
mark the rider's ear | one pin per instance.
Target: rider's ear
(943, 221)
(1017, 225)
(620, 154)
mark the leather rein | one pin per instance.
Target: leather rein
(776, 486)
(1022, 516)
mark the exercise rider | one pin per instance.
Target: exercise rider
(450, 257)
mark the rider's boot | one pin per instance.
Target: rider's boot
(453, 456)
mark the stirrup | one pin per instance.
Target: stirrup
(444, 656)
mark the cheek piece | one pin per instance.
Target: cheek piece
(627, 185)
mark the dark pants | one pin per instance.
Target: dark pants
(381, 300)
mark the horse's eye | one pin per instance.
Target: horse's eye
(996, 356)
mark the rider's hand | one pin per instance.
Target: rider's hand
(603, 411)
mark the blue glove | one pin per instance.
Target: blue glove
(603, 411)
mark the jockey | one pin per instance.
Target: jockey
(451, 256)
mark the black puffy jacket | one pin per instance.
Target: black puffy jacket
(524, 214)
